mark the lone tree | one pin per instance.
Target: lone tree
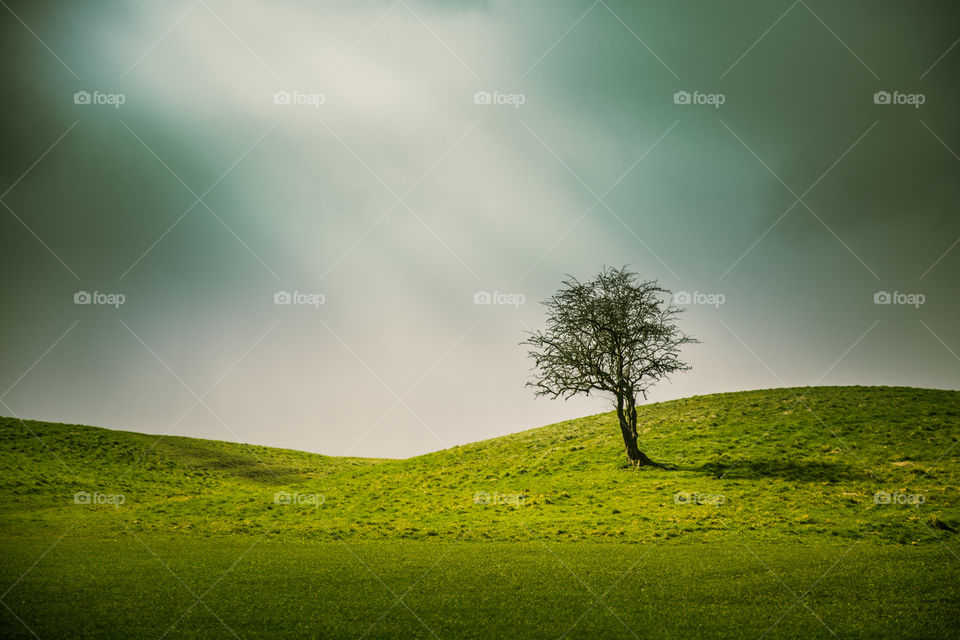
(615, 334)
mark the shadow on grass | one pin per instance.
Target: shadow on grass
(797, 470)
(246, 465)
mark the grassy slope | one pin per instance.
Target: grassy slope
(792, 464)
(794, 552)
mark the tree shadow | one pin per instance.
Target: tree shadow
(795, 470)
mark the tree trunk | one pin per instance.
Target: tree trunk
(627, 416)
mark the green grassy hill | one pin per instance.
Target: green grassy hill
(775, 465)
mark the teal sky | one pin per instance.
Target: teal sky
(393, 196)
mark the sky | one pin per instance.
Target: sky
(278, 222)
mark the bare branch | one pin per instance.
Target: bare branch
(615, 334)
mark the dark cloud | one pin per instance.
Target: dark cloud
(500, 198)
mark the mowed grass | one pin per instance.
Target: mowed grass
(778, 465)
(541, 533)
(146, 587)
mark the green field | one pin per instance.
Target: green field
(766, 526)
(145, 589)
